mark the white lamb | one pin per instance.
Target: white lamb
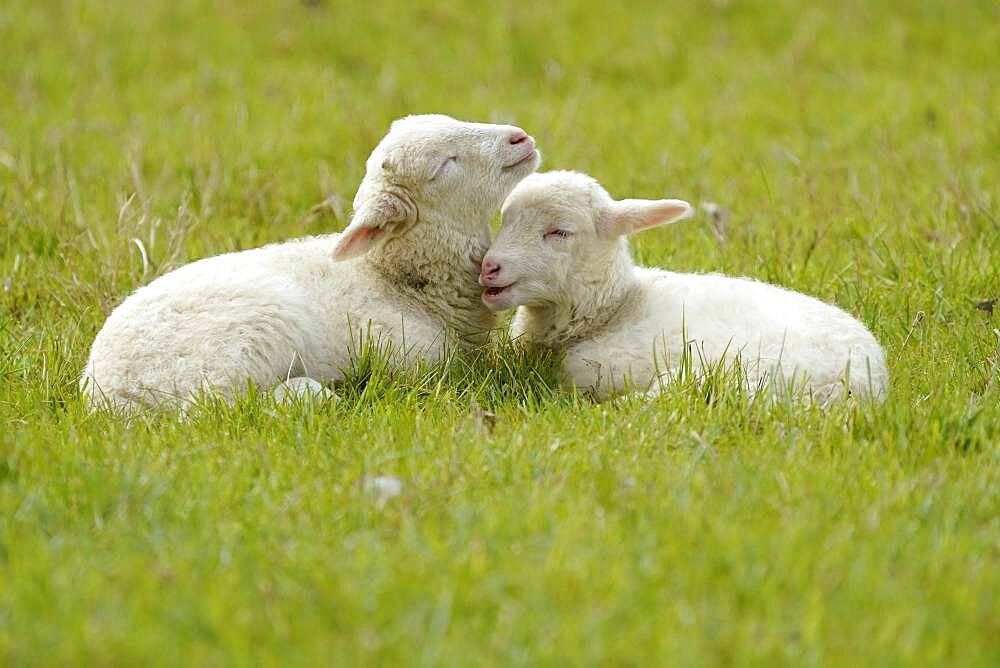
(561, 256)
(291, 311)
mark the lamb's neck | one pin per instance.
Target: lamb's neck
(597, 304)
(434, 267)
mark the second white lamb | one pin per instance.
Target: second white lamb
(562, 257)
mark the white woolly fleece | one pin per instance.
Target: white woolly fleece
(561, 256)
(410, 259)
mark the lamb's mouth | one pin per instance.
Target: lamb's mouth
(492, 293)
(526, 159)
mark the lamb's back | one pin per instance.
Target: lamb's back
(711, 317)
(252, 315)
(765, 324)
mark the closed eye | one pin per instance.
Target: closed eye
(443, 167)
(557, 234)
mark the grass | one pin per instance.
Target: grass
(855, 148)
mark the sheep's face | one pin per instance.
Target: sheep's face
(436, 169)
(561, 233)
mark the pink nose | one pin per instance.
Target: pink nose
(490, 268)
(518, 137)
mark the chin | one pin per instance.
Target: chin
(497, 306)
(534, 163)
(499, 303)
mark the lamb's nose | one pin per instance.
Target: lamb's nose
(490, 269)
(517, 137)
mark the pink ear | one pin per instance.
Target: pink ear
(634, 215)
(370, 225)
(355, 242)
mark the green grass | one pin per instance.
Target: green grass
(857, 148)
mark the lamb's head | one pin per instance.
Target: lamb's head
(436, 169)
(562, 232)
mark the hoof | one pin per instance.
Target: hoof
(302, 389)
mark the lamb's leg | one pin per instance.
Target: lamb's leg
(302, 388)
(648, 395)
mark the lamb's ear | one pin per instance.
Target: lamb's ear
(635, 215)
(371, 225)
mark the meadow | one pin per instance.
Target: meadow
(850, 150)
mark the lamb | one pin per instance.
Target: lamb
(562, 258)
(403, 272)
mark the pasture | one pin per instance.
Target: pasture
(849, 150)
